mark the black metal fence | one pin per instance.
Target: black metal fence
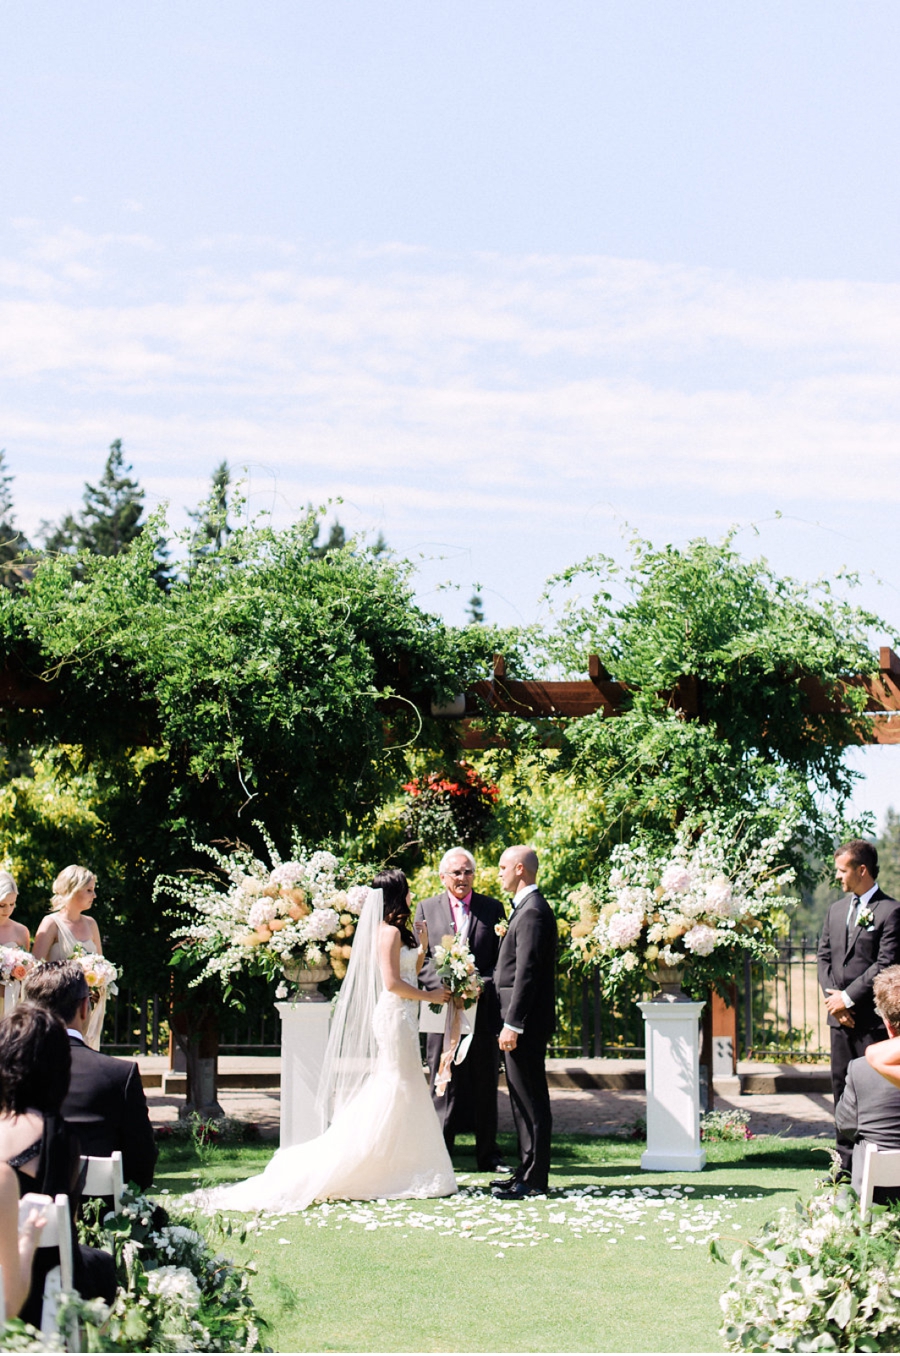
(780, 1013)
(780, 1016)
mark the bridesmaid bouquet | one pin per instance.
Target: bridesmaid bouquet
(99, 972)
(14, 963)
(454, 966)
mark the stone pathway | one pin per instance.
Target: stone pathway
(576, 1109)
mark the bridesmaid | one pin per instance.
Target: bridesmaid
(11, 934)
(67, 928)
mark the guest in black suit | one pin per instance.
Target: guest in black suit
(470, 1099)
(105, 1103)
(869, 1110)
(860, 938)
(525, 976)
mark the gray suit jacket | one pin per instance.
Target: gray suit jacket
(868, 1113)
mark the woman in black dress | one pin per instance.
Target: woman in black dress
(38, 1144)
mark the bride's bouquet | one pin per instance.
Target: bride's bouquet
(454, 966)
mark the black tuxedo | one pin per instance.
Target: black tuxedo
(849, 961)
(868, 1113)
(525, 976)
(107, 1108)
(470, 1099)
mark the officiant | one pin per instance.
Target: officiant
(469, 1102)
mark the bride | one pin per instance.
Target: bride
(384, 1139)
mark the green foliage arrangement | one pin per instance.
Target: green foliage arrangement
(820, 1278)
(745, 652)
(448, 808)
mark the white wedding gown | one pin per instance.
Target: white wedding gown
(385, 1142)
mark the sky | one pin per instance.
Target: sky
(511, 280)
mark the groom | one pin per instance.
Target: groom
(525, 977)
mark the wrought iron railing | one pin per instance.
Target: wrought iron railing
(784, 1018)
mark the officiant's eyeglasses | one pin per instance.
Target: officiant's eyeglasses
(467, 872)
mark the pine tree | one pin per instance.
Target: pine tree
(211, 526)
(12, 542)
(889, 854)
(337, 540)
(111, 517)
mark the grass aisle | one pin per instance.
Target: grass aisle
(616, 1260)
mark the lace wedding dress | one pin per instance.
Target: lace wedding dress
(384, 1142)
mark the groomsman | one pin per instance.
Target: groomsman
(470, 1099)
(525, 976)
(860, 938)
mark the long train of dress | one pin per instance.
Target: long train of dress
(385, 1142)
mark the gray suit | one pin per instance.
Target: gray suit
(470, 1099)
(868, 1113)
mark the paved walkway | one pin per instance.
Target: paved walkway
(579, 1105)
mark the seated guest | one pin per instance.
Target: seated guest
(16, 1248)
(105, 1103)
(37, 1144)
(869, 1109)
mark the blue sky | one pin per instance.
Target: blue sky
(509, 278)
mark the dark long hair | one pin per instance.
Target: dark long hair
(395, 887)
(35, 1061)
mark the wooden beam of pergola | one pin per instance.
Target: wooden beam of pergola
(534, 699)
(537, 699)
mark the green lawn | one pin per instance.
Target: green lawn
(602, 1265)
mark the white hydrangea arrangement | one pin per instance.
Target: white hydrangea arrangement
(262, 918)
(699, 903)
(820, 1278)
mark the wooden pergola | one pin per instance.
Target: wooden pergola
(535, 699)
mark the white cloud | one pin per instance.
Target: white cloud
(448, 377)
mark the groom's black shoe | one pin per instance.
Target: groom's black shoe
(504, 1181)
(516, 1191)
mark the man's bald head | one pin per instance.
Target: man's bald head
(518, 867)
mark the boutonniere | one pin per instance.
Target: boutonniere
(501, 927)
(865, 918)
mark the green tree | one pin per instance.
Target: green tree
(111, 517)
(273, 685)
(13, 543)
(476, 608)
(760, 726)
(888, 844)
(211, 526)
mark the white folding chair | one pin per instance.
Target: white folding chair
(104, 1177)
(56, 1233)
(881, 1168)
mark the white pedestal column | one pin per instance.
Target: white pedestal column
(672, 1043)
(304, 1036)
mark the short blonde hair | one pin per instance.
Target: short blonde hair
(69, 880)
(7, 885)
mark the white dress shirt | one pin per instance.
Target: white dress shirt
(863, 900)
